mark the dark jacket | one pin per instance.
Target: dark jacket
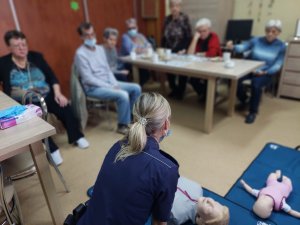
(35, 58)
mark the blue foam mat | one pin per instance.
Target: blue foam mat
(272, 157)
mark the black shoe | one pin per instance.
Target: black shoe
(179, 96)
(250, 118)
(123, 129)
(172, 94)
(242, 106)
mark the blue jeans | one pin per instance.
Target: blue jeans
(125, 97)
(257, 83)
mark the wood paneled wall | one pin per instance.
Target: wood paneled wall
(50, 26)
(112, 13)
(6, 23)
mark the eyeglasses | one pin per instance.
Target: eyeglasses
(18, 46)
(88, 35)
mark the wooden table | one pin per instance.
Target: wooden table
(209, 70)
(14, 140)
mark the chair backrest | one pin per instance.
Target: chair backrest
(78, 98)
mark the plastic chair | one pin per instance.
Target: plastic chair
(10, 210)
(32, 94)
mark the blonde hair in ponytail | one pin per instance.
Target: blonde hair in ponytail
(150, 112)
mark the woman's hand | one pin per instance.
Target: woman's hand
(229, 45)
(197, 35)
(61, 100)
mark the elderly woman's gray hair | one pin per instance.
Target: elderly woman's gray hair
(131, 21)
(203, 22)
(110, 31)
(274, 23)
(175, 1)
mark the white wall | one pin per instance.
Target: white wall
(288, 11)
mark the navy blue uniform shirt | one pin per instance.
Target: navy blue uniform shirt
(128, 192)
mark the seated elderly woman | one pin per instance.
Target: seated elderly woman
(269, 49)
(110, 38)
(24, 70)
(207, 43)
(133, 41)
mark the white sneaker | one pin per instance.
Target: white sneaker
(82, 143)
(56, 156)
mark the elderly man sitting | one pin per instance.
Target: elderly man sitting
(98, 79)
(110, 38)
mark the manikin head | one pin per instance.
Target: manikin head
(203, 27)
(263, 206)
(211, 212)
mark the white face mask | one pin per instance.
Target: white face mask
(133, 32)
(90, 42)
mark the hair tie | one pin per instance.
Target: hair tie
(143, 121)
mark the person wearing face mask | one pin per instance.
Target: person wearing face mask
(207, 43)
(133, 41)
(137, 179)
(98, 79)
(177, 35)
(269, 49)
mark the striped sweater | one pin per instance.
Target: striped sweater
(272, 53)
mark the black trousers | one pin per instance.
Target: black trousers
(65, 115)
(199, 85)
(177, 89)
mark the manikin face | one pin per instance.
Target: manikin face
(204, 32)
(111, 41)
(208, 209)
(175, 9)
(272, 33)
(18, 47)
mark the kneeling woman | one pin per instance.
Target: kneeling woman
(137, 179)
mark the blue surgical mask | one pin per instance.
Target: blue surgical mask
(169, 132)
(90, 42)
(133, 32)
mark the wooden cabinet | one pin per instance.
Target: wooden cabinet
(289, 85)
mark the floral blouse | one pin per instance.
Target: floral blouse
(177, 33)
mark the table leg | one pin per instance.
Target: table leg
(135, 73)
(232, 97)
(45, 177)
(209, 107)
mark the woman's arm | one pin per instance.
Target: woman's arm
(192, 47)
